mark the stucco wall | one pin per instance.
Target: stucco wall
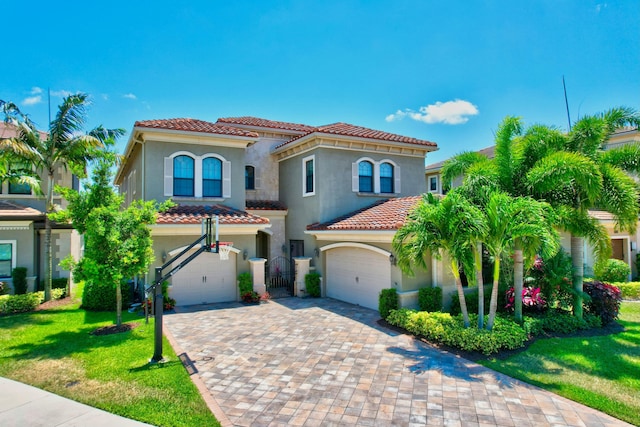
(266, 167)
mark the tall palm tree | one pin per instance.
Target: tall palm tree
(451, 227)
(516, 222)
(599, 179)
(65, 146)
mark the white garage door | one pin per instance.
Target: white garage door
(204, 280)
(357, 275)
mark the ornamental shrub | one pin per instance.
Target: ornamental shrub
(430, 299)
(446, 329)
(387, 301)
(532, 299)
(629, 290)
(605, 300)
(612, 270)
(101, 296)
(19, 303)
(245, 282)
(312, 284)
(471, 297)
(19, 276)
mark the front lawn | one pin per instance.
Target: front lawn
(602, 372)
(54, 350)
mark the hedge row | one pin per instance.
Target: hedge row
(21, 303)
(629, 290)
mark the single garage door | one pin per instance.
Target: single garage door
(357, 275)
(205, 280)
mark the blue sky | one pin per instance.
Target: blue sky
(445, 71)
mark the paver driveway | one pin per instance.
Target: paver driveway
(312, 362)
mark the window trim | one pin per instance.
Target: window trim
(305, 160)
(198, 175)
(355, 177)
(14, 252)
(246, 168)
(433, 178)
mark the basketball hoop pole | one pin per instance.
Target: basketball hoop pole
(217, 241)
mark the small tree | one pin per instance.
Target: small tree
(118, 241)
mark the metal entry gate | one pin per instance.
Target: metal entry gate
(279, 277)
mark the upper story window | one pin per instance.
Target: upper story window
(183, 176)
(369, 176)
(211, 177)
(249, 178)
(7, 257)
(433, 184)
(386, 178)
(365, 177)
(189, 175)
(17, 188)
(308, 176)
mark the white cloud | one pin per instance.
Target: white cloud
(129, 96)
(451, 113)
(600, 6)
(35, 90)
(32, 100)
(61, 93)
(105, 96)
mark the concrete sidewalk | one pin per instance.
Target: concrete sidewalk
(23, 405)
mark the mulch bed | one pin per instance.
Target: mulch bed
(612, 328)
(115, 329)
(54, 303)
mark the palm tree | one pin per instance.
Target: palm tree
(516, 222)
(584, 177)
(65, 146)
(451, 227)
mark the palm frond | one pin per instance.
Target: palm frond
(626, 157)
(508, 129)
(458, 165)
(619, 196)
(567, 171)
(579, 223)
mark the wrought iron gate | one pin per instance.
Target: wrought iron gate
(279, 277)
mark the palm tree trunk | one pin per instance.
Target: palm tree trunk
(479, 283)
(463, 302)
(118, 304)
(577, 259)
(493, 305)
(48, 255)
(518, 280)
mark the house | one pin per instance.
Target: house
(624, 244)
(22, 221)
(288, 196)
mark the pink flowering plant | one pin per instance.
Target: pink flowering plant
(532, 299)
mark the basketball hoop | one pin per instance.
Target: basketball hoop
(223, 249)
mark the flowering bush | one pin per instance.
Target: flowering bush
(605, 300)
(250, 296)
(532, 299)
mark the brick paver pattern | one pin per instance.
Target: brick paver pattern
(319, 362)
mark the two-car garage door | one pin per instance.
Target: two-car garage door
(205, 280)
(357, 275)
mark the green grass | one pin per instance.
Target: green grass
(55, 351)
(602, 372)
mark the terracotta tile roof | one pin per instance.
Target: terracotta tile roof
(194, 125)
(9, 209)
(272, 124)
(8, 130)
(388, 214)
(185, 214)
(267, 205)
(345, 129)
(488, 151)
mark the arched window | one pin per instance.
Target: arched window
(211, 177)
(183, 171)
(365, 176)
(386, 178)
(249, 178)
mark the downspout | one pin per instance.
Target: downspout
(144, 172)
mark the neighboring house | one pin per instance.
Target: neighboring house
(624, 245)
(278, 189)
(22, 227)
